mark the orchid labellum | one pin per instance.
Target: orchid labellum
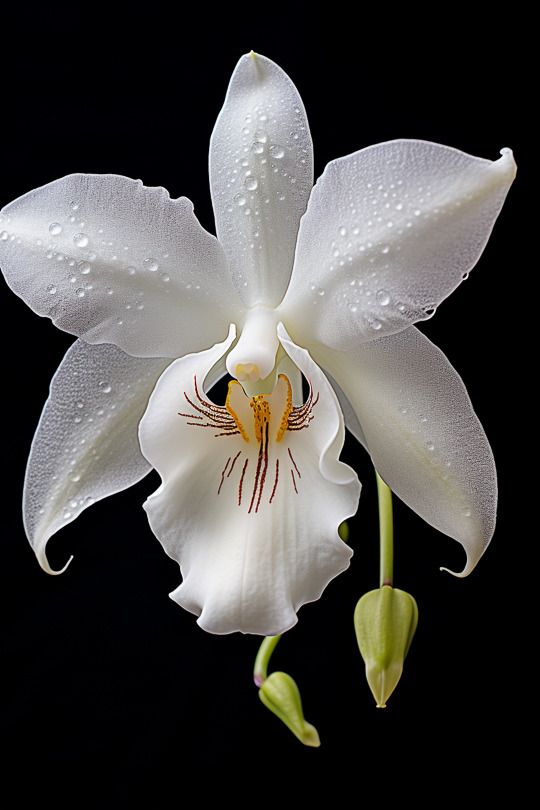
(322, 283)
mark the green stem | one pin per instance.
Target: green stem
(263, 659)
(386, 528)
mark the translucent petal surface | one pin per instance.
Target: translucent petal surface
(252, 521)
(86, 444)
(389, 232)
(113, 261)
(261, 174)
(423, 435)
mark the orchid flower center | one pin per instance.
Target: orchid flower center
(254, 356)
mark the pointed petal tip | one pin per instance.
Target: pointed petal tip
(41, 556)
(507, 162)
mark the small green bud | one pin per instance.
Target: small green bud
(280, 694)
(385, 621)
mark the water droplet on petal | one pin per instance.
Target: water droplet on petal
(251, 183)
(80, 240)
(430, 446)
(277, 151)
(55, 228)
(240, 199)
(4, 236)
(76, 478)
(375, 324)
(343, 231)
(105, 387)
(84, 268)
(51, 289)
(383, 298)
(67, 515)
(151, 265)
(165, 277)
(80, 293)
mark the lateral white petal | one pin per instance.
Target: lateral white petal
(422, 433)
(251, 521)
(113, 261)
(86, 445)
(389, 232)
(261, 174)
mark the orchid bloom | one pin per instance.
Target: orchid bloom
(299, 279)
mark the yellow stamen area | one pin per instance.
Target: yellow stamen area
(261, 414)
(232, 394)
(252, 415)
(288, 406)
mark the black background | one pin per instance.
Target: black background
(111, 691)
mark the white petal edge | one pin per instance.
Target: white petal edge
(86, 445)
(261, 175)
(389, 232)
(113, 261)
(247, 572)
(424, 438)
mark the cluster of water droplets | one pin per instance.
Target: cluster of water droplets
(364, 254)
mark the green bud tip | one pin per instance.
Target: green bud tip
(280, 694)
(385, 621)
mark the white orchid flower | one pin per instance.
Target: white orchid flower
(299, 279)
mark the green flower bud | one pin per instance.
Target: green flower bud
(385, 621)
(280, 694)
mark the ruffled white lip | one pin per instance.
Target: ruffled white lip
(252, 493)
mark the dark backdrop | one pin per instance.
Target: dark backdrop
(111, 692)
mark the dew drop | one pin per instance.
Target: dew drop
(78, 420)
(51, 289)
(67, 515)
(105, 387)
(80, 293)
(343, 231)
(277, 151)
(151, 265)
(401, 307)
(260, 135)
(375, 324)
(467, 512)
(80, 240)
(383, 298)
(140, 306)
(76, 478)
(84, 268)
(417, 212)
(399, 206)
(131, 271)
(55, 228)
(240, 199)
(465, 276)
(385, 249)
(430, 446)
(74, 206)
(251, 183)
(281, 196)
(79, 404)
(165, 277)
(257, 148)
(4, 236)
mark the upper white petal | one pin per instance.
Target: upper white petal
(261, 174)
(255, 535)
(422, 433)
(389, 232)
(113, 261)
(86, 446)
